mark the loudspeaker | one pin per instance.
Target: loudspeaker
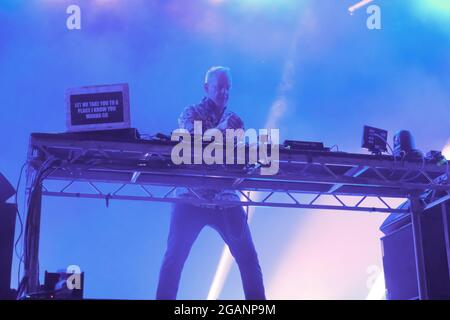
(399, 265)
(7, 227)
(6, 189)
(399, 256)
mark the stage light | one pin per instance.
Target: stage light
(260, 4)
(107, 2)
(359, 5)
(378, 290)
(404, 145)
(438, 6)
(439, 10)
(216, 2)
(403, 141)
(446, 151)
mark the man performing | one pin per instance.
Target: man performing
(187, 220)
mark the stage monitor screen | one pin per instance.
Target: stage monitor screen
(102, 107)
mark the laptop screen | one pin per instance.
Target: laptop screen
(101, 107)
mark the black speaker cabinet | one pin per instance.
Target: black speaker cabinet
(6, 189)
(7, 226)
(399, 256)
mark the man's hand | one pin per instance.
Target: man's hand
(231, 122)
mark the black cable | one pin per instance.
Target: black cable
(40, 176)
(420, 171)
(392, 152)
(385, 141)
(16, 202)
(24, 284)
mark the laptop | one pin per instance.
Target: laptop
(96, 108)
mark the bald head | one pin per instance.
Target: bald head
(217, 85)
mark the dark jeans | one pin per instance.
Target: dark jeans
(186, 223)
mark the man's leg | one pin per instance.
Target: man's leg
(185, 225)
(233, 227)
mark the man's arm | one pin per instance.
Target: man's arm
(231, 121)
(190, 114)
(187, 118)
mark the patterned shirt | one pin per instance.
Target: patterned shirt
(206, 112)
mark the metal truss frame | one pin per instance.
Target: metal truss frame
(146, 164)
(249, 198)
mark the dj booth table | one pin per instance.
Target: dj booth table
(317, 175)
